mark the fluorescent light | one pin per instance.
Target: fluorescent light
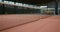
(18, 4)
(6, 2)
(43, 6)
(23, 5)
(9, 2)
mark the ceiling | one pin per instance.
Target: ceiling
(34, 2)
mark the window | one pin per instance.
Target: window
(0, 0)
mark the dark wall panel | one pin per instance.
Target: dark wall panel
(1, 9)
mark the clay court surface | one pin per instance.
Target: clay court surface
(29, 23)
